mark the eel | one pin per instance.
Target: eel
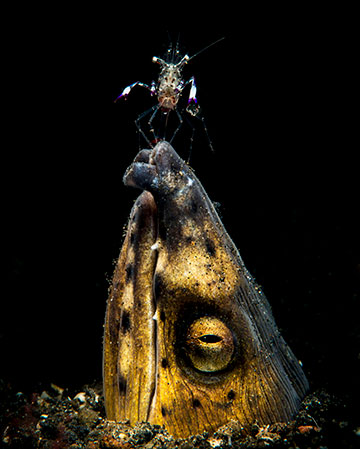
(190, 341)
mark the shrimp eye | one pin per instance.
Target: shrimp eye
(209, 344)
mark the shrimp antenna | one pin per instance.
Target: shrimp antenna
(205, 48)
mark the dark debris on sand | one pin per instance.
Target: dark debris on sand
(57, 418)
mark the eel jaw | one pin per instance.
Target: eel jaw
(131, 301)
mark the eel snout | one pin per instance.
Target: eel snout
(151, 167)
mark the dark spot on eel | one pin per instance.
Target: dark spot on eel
(164, 363)
(231, 395)
(196, 403)
(122, 385)
(125, 321)
(193, 206)
(189, 240)
(129, 272)
(210, 247)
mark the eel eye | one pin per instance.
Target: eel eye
(209, 344)
(210, 338)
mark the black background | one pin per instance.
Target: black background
(277, 97)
